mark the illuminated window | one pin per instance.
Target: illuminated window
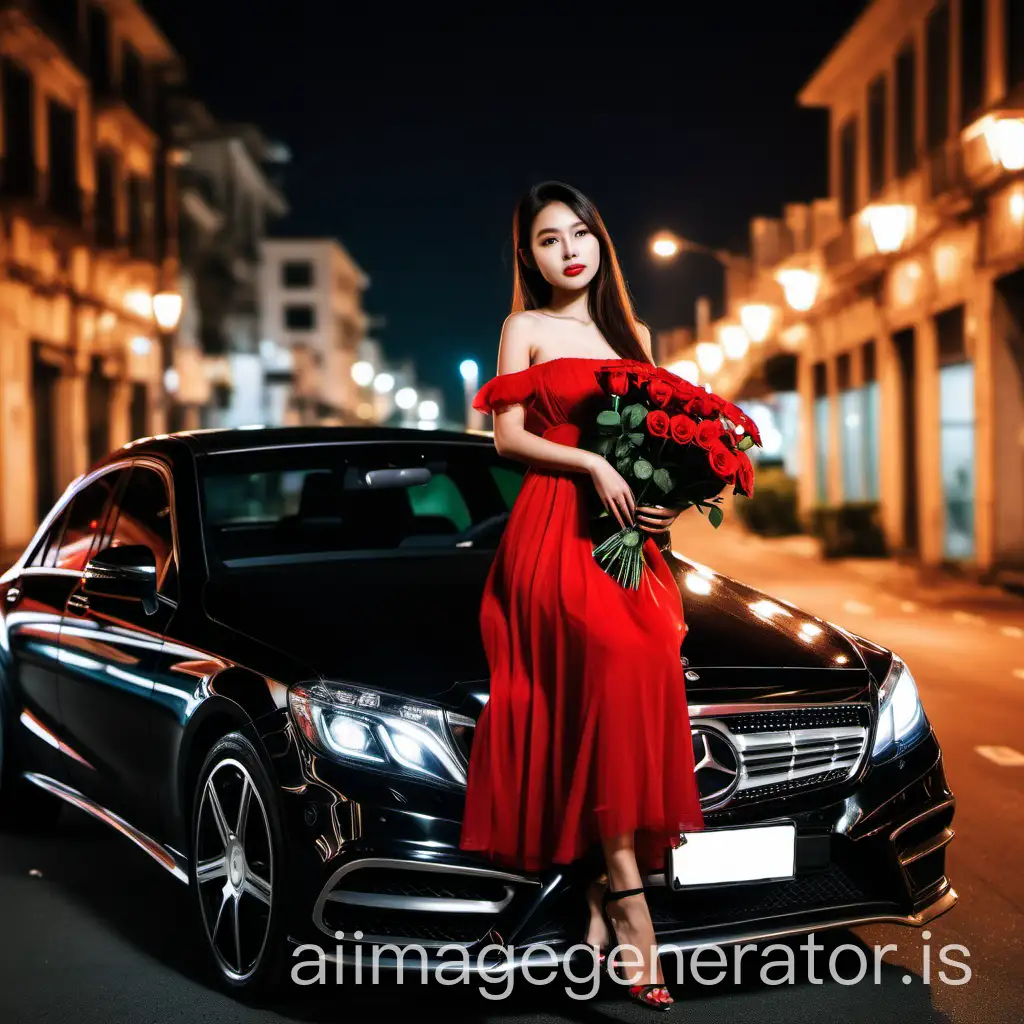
(821, 432)
(956, 436)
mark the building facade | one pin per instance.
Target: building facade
(229, 194)
(86, 240)
(313, 331)
(894, 309)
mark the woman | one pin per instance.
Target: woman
(585, 737)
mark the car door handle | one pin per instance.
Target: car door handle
(78, 603)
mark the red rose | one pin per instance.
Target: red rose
(739, 418)
(700, 404)
(732, 412)
(751, 428)
(717, 401)
(723, 462)
(661, 392)
(684, 389)
(657, 423)
(618, 382)
(744, 475)
(708, 434)
(683, 429)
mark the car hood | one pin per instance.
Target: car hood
(411, 625)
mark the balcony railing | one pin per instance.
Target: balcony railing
(58, 204)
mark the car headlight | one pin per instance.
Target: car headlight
(380, 731)
(901, 718)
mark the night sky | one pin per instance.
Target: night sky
(412, 140)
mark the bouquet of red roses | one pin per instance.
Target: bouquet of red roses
(672, 439)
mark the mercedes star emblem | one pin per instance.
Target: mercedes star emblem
(716, 765)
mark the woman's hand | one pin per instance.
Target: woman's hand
(659, 518)
(615, 493)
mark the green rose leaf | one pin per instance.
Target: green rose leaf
(634, 414)
(643, 469)
(605, 445)
(637, 439)
(622, 465)
(663, 480)
(745, 442)
(622, 447)
(715, 516)
(608, 420)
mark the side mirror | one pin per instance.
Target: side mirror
(127, 572)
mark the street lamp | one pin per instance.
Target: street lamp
(709, 357)
(757, 319)
(687, 369)
(363, 372)
(665, 246)
(167, 310)
(167, 306)
(734, 340)
(889, 224)
(1005, 139)
(470, 372)
(799, 286)
(405, 398)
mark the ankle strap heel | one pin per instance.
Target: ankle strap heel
(619, 894)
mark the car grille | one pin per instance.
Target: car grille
(744, 756)
(756, 755)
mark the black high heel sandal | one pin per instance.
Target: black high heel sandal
(646, 995)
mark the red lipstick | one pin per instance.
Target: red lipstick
(574, 268)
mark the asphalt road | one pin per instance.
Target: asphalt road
(91, 930)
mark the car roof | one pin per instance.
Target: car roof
(212, 441)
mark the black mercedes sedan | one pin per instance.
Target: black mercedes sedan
(256, 654)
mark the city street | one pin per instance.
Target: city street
(94, 930)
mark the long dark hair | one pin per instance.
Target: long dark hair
(608, 301)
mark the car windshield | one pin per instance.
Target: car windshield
(349, 500)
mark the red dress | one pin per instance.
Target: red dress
(586, 732)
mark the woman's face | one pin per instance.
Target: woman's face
(566, 251)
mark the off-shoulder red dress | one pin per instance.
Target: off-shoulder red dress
(586, 732)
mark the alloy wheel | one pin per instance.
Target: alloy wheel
(234, 868)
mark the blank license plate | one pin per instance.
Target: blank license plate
(716, 856)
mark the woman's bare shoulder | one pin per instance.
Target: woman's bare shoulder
(521, 321)
(517, 345)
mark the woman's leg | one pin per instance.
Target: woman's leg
(630, 914)
(597, 930)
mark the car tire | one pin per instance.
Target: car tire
(237, 876)
(23, 806)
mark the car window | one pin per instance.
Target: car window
(305, 500)
(509, 482)
(46, 550)
(440, 496)
(143, 516)
(83, 523)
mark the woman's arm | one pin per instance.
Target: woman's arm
(511, 437)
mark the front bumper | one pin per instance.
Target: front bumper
(368, 870)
